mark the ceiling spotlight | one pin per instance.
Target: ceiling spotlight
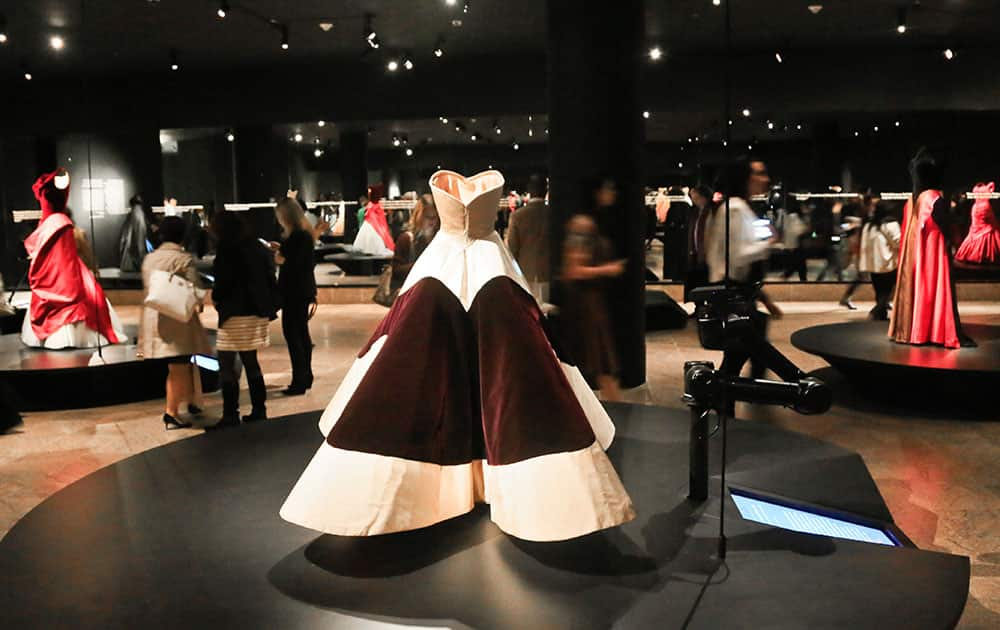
(496, 127)
(465, 7)
(284, 37)
(655, 53)
(474, 136)
(439, 47)
(407, 62)
(949, 54)
(451, 3)
(875, 128)
(3, 36)
(517, 147)
(901, 21)
(444, 121)
(174, 64)
(326, 27)
(371, 37)
(438, 52)
(645, 114)
(815, 8)
(223, 10)
(56, 42)
(409, 152)
(3, 29)
(857, 133)
(392, 66)
(799, 127)
(456, 23)
(746, 114)
(459, 127)
(770, 125)
(716, 3)
(230, 136)
(897, 123)
(27, 75)
(318, 152)
(322, 123)
(680, 165)
(396, 141)
(778, 57)
(297, 137)
(531, 132)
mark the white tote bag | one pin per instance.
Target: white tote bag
(172, 295)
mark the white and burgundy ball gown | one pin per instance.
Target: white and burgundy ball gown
(459, 397)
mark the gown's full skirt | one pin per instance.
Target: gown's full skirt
(459, 397)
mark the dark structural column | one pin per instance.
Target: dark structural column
(595, 128)
(353, 174)
(261, 164)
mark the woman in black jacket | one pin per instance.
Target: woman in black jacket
(245, 295)
(297, 286)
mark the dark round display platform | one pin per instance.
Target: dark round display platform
(188, 535)
(43, 380)
(862, 351)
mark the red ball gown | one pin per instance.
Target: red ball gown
(459, 397)
(924, 307)
(68, 307)
(982, 244)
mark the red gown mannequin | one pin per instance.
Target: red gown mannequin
(924, 305)
(375, 216)
(982, 245)
(63, 290)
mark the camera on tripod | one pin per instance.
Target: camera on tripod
(729, 321)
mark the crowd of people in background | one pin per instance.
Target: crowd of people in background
(767, 231)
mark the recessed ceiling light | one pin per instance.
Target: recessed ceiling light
(949, 54)
(645, 114)
(716, 3)
(230, 136)
(456, 23)
(297, 137)
(326, 27)
(57, 42)
(815, 8)
(392, 66)
(322, 123)
(223, 10)
(778, 57)
(655, 53)
(746, 113)
(409, 152)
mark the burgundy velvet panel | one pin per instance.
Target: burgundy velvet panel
(450, 387)
(528, 406)
(418, 400)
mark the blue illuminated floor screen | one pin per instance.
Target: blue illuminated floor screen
(771, 513)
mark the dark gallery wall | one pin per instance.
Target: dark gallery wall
(131, 158)
(200, 172)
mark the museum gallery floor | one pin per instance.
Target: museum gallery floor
(927, 469)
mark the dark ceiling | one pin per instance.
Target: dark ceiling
(114, 37)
